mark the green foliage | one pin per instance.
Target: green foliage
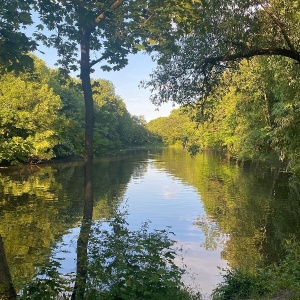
(114, 127)
(48, 285)
(42, 117)
(133, 264)
(253, 114)
(30, 120)
(113, 29)
(258, 112)
(238, 285)
(221, 34)
(265, 282)
(177, 129)
(123, 264)
(14, 44)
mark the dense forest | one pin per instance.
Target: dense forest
(253, 113)
(42, 117)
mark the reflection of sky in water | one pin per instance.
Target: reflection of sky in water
(166, 201)
(163, 200)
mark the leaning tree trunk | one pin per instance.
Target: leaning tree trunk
(82, 243)
(7, 291)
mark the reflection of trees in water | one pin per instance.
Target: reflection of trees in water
(38, 205)
(213, 237)
(140, 169)
(249, 204)
(284, 221)
(30, 221)
(83, 238)
(83, 265)
(119, 263)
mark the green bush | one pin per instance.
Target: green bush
(126, 264)
(122, 264)
(266, 282)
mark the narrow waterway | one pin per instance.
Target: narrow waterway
(223, 215)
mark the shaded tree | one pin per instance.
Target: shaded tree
(14, 44)
(104, 33)
(222, 33)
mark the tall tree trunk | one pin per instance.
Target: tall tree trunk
(89, 120)
(7, 291)
(88, 96)
(82, 243)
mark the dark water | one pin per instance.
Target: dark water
(223, 215)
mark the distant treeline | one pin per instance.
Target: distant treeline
(252, 113)
(42, 117)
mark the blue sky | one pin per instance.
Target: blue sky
(126, 82)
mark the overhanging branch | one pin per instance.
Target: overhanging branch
(251, 53)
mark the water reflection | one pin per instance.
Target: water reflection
(38, 205)
(255, 206)
(35, 211)
(221, 213)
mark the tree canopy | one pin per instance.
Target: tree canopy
(42, 117)
(222, 32)
(14, 44)
(253, 113)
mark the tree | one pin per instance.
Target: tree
(14, 44)
(221, 33)
(110, 29)
(30, 121)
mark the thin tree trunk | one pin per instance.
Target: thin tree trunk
(88, 96)
(82, 243)
(7, 291)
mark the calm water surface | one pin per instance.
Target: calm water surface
(223, 215)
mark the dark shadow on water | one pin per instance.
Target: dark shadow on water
(83, 239)
(7, 291)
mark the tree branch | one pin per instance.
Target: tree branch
(95, 61)
(258, 52)
(281, 27)
(115, 5)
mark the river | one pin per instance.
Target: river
(223, 215)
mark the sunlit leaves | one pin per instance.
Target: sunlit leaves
(30, 120)
(252, 113)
